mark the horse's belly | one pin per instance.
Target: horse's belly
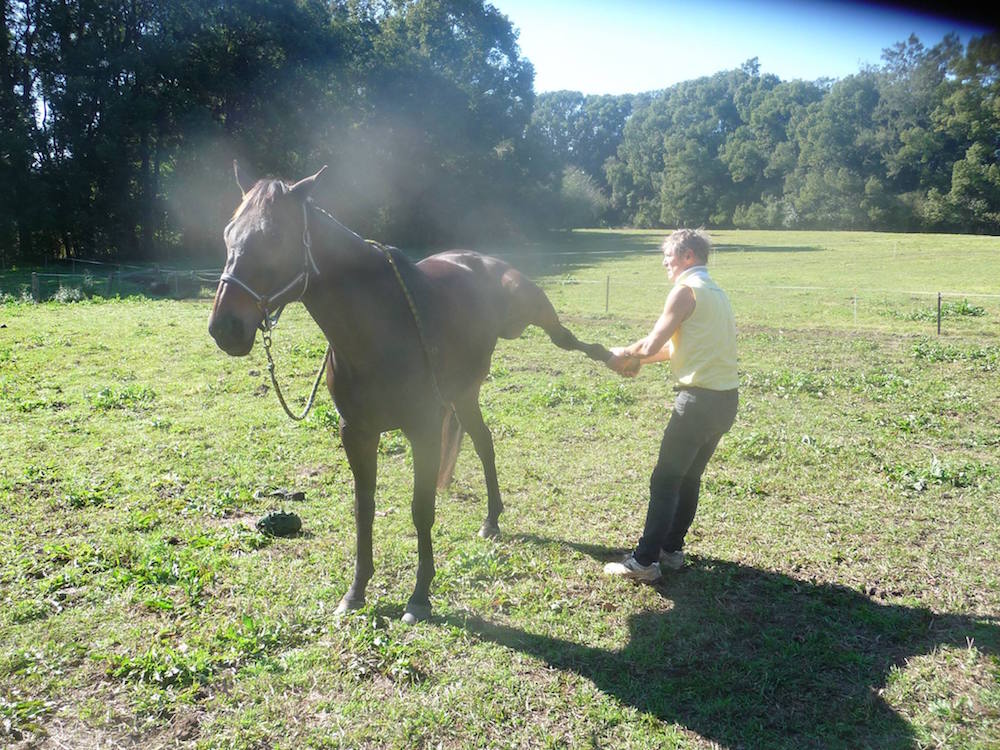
(378, 402)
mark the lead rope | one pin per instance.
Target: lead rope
(268, 325)
(266, 339)
(416, 320)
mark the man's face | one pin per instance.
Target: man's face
(676, 260)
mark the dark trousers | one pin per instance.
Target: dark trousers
(699, 419)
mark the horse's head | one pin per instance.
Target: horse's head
(268, 261)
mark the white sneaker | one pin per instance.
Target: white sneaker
(671, 560)
(630, 568)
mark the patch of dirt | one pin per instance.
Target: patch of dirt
(118, 731)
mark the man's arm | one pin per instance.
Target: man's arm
(660, 356)
(653, 346)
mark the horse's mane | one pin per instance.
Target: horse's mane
(260, 195)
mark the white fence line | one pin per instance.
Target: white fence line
(841, 289)
(609, 282)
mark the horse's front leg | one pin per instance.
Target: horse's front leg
(426, 462)
(532, 307)
(362, 455)
(562, 337)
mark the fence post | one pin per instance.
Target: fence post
(939, 314)
(35, 294)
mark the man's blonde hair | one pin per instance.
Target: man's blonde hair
(695, 240)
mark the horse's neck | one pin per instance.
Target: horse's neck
(348, 266)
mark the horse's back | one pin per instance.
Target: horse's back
(464, 264)
(507, 299)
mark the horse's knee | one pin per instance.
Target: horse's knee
(422, 511)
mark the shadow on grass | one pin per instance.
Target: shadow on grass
(724, 248)
(565, 252)
(751, 658)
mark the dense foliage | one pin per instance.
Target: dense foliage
(912, 145)
(119, 120)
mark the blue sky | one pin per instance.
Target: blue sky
(629, 46)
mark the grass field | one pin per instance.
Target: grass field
(843, 584)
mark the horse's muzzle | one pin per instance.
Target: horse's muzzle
(231, 335)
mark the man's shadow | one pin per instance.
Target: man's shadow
(750, 658)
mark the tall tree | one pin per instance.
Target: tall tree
(762, 151)
(261, 80)
(441, 145)
(581, 131)
(970, 114)
(837, 156)
(672, 151)
(19, 194)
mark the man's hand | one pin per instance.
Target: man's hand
(624, 364)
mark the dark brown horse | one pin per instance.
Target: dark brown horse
(410, 345)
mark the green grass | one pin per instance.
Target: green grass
(844, 580)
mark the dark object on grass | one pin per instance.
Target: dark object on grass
(279, 523)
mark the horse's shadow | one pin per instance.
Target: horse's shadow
(750, 658)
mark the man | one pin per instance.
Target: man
(697, 333)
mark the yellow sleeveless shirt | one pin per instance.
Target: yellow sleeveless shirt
(703, 349)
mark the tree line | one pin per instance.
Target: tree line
(911, 145)
(119, 120)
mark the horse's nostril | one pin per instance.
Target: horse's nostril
(226, 329)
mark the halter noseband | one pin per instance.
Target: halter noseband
(265, 302)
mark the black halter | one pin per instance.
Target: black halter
(267, 302)
(269, 321)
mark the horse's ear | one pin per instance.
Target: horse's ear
(239, 182)
(303, 187)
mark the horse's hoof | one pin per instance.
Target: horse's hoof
(416, 613)
(489, 530)
(348, 605)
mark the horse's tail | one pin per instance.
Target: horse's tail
(451, 441)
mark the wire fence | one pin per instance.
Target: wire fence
(78, 279)
(610, 294)
(780, 304)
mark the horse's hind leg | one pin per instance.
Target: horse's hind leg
(362, 454)
(532, 307)
(426, 461)
(471, 418)
(561, 336)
